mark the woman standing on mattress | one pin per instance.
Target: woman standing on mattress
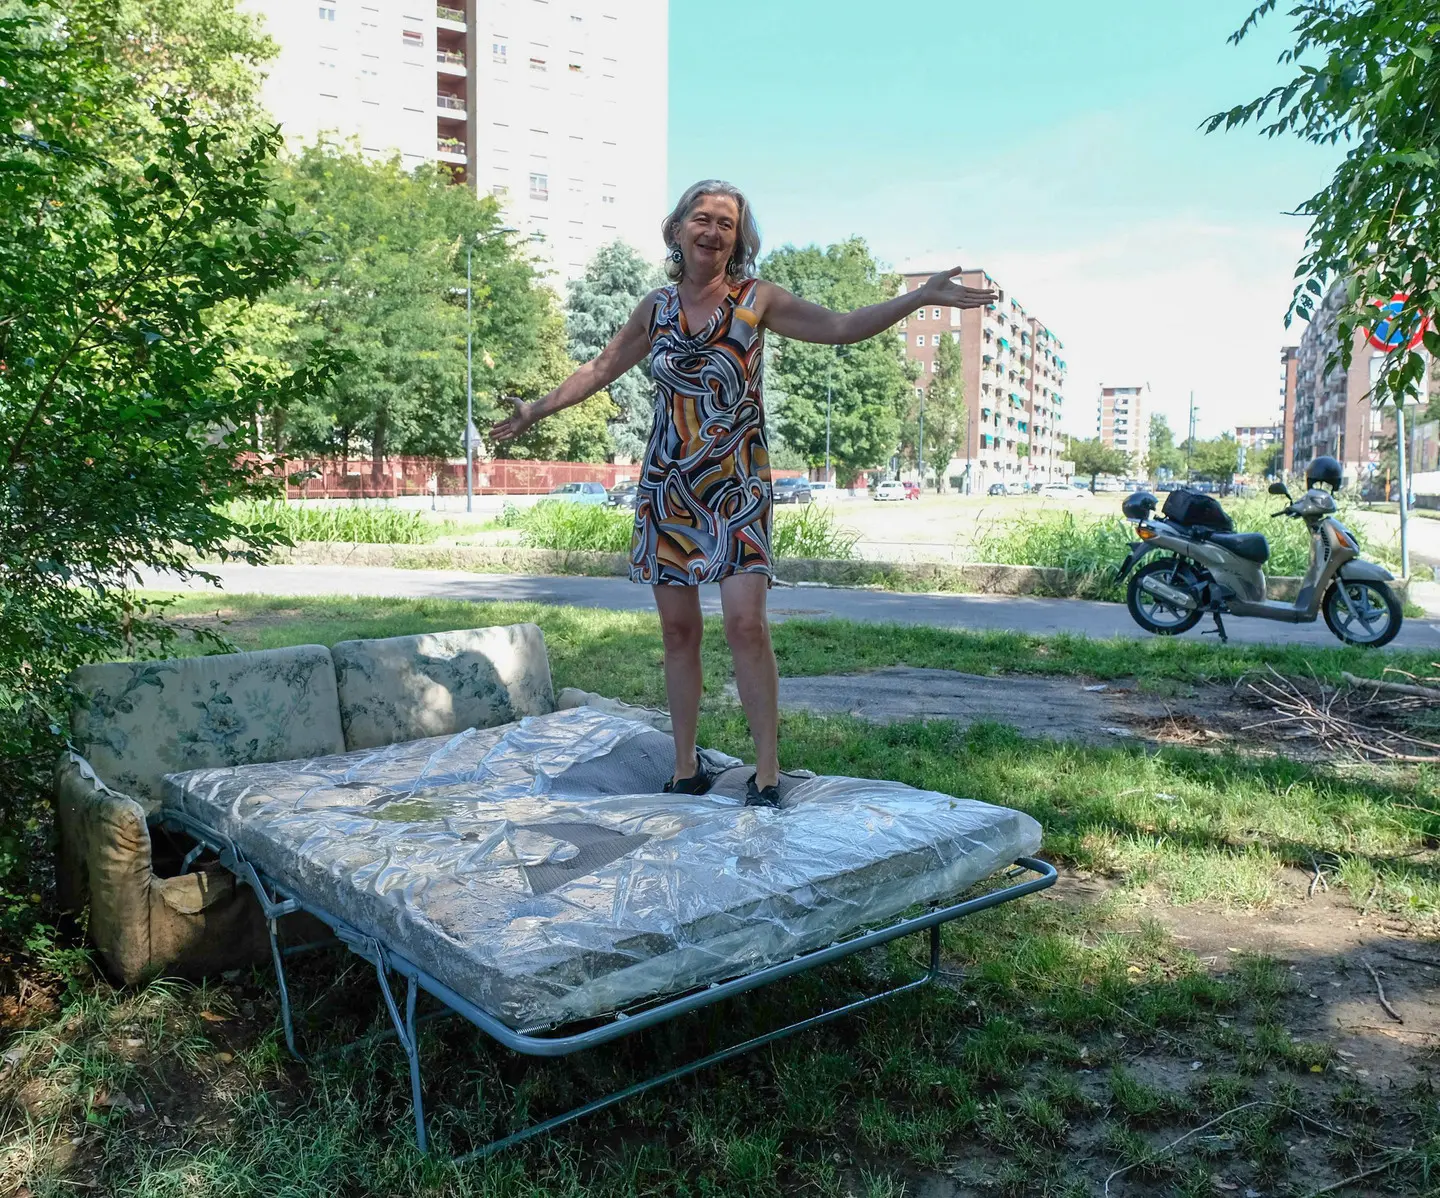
(702, 512)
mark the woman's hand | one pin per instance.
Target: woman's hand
(517, 424)
(943, 290)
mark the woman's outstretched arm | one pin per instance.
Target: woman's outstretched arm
(626, 349)
(790, 316)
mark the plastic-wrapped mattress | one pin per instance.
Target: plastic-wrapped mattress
(535, 868)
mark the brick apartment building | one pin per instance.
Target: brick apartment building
(1014, 378)
(1289, 373)
(1332, 413)
(1123, 422)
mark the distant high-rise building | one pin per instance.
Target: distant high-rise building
(1123, 421)
(558, 108)
(1014, 376)
(1289, 371)
(1333, 411)
(1258, 436)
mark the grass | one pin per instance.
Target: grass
(1066, 1041)
(1020, 1075)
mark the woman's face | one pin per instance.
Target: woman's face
(707, 235)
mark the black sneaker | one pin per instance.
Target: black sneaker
(761, 796)
(697, 784)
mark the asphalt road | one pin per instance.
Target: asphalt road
(1013, 612)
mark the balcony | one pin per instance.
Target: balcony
(452, 150)
(449, 17)
(449, 107)
(450, 62)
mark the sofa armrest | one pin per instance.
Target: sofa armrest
(105, 863)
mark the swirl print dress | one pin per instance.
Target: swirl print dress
(702, 508)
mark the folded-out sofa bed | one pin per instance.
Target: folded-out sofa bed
(428, 803)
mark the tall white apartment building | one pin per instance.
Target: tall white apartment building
(558, 108)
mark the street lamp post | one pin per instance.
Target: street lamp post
(829, 370)
(469, 386)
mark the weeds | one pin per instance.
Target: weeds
(351, 523)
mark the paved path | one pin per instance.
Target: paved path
(1018, 613)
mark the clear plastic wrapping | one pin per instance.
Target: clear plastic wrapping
(537, 870)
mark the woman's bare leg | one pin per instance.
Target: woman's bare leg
(747, 629)
(681, 627)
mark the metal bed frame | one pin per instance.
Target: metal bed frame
(276, 902)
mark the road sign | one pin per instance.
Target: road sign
(1388, 333)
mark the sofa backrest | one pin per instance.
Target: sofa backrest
(406, 687)
(138, 721)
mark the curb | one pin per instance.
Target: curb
(983, 578)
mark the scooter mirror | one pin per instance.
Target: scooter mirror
(1279, 489)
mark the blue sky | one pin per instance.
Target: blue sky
(1052, 142)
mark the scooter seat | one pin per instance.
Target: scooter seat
(1252, 546)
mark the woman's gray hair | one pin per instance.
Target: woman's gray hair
(747, 233)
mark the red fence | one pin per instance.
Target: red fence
(330, 478)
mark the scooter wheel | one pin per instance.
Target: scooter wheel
(1372, 617)
(1152, 613)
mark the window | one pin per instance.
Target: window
(920, 315)
(934, 338)
(499, 191)
(576, 69)
(607, 198)
(538, 64)
(919, 338)
(327, 12)
(499, 52)
(539, 186)
(955, 336)
(412, 39)
(935, 312)
(919, 392)
(934, 367)
(954, 315)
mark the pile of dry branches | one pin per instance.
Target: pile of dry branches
(1365, 718)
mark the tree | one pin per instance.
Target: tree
(1094, 457)
(1367, 75)
(384, 286)
(206, 51)
(576, 434)
(616, 279)
(947, 417)
(1163, 453)
(1265, 463)
(122, 402)
(868, 382)
(1216, 460)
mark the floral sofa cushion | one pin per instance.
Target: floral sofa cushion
(409, 687)
(137, 721)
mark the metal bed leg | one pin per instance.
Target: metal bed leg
(714, 1058)
(405, 1034)
(286, 1020)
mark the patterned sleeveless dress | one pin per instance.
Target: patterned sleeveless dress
(702, 509)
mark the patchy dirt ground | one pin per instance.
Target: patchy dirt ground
(1070, 708)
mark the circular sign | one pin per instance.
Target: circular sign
(1388, 333)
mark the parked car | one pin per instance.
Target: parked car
(588, 493)
(1016, 488)
(998, 489)
(890, 489)
(1061, 491)
(622, 495)
(791, 490)
(912, 490)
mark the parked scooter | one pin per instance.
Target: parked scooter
(1209, 567)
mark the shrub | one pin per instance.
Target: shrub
(552, 524)
(809, 532)
(1089, 551)
(812, 532)
(352, 524)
